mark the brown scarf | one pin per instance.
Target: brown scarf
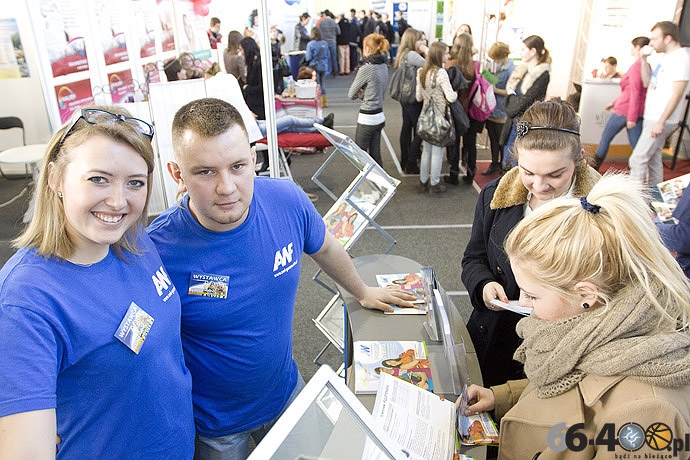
(621, 339)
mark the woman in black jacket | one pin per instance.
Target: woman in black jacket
(551, 165)
(527, 84)
(253, 90)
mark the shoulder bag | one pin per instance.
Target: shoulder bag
(434, 126)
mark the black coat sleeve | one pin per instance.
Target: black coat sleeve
(515, 105)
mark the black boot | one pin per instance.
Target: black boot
(494, 168)
(451, 178)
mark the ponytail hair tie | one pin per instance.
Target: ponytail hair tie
(587, 206)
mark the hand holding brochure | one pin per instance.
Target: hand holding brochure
(475, 429)
(512, 305)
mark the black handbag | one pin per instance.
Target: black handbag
(433, 126)
(462, 121)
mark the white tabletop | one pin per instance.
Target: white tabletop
(33, 154)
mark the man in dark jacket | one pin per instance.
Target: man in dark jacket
(677, 236)
(402, 24)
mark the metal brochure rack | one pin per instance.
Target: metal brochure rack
(350, 215)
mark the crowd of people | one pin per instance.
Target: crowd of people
(607, 340)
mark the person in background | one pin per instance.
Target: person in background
(410, 52)
(389, 31)
(628, 107)
(606, 346)
(433, 87)
(214, 35)
(343, 42)
(253, 89)
(247, 329)
(355, 32)
(234, 60)
(369, 85)
(301, 33)
(461, 56)
(504, 66)
(277, 40)
(184, 67)
(550, 165)
(77, 362)
(667, 85)
(527, 84)
(329, 32)
(402, 24)
(609, 71)
(676, 236)
(318, 57)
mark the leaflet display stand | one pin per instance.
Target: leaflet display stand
(352, 212)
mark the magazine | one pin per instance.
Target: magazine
(475, 429)
(421, 423)
(512, 305)
(410, 282)
(405, 359)
(671, 190)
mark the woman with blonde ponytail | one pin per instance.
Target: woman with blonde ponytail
(606, 348)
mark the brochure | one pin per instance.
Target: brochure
(670, 190)
(405, 359)
(475, 429)
(410, 282)
(512, 305)
(421, 423)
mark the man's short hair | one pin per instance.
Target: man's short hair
(668, 28)
(214, 21)
(207, 117)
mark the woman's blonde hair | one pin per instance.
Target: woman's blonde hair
(613, 243)
(499, 51)
(408, 42)
(47, 230)
(377, 43)
(554, 113)
(461, 53)
(434, 59)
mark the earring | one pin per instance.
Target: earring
(59, 194)
(585, 305)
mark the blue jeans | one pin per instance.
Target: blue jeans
(509, 158)
(236, 446)
(333, 58)
(291, 124)
(613, 126)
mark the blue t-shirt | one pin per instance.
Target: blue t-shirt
(58, 350)
(238, 293)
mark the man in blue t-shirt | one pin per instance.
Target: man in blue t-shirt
(232, 246)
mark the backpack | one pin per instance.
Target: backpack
(403, 85)
(482, 98)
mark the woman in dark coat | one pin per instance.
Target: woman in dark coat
(253, 90)
(551, 164)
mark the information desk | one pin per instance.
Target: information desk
(366, 324)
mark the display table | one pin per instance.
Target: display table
(366, 324)
(597, 94)
(25, 154)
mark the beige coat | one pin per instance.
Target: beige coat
(595, 401)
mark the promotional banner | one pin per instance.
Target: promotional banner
(64, 37)
(111, 19)
(12, 62)
(122, 87)
(71, 96)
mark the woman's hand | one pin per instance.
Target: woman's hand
(493, 290)
(479, 399)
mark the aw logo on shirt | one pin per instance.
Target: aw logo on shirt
(283, 260)
(162, 282)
